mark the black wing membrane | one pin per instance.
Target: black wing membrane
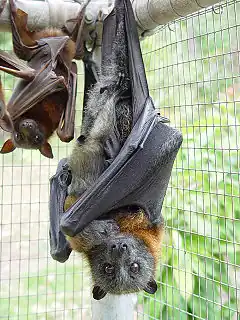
(59, 247)
(140, 172)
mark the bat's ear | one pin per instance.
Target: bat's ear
(8, 147)
(151, 286)
(46, 150)
(98, 293)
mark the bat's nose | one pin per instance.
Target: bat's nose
(27, 125)
(123, 246)
(118, 248)
(27, 128)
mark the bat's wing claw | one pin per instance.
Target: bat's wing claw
(77, 33)
(163, 119)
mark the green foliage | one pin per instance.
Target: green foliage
(49, 294)
(190, 74)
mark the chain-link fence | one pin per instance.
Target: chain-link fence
(193, 69)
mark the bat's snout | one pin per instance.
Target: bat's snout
(26, 126)
(118, 248)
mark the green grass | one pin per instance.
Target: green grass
(59, 289)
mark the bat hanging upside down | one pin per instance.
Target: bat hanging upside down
(44, 99)
(122, 250)
(106, 197)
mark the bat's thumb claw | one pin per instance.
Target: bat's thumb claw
(163, 119)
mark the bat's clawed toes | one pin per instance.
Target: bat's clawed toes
(2, 5)
(20, 25)
(13, 6)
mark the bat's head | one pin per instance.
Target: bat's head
(122, 265)
(28, 135)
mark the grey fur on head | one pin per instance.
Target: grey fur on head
(122, 264)
(119, 262)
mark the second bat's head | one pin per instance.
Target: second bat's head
(122, 265)
(28, 134)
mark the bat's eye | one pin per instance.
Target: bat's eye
(37, 139)
(134, 267)
(17, 136)
(109, 269)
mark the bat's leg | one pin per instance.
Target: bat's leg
(2, 5)
(20, 19)
(88, 53)
(77, 33)
(65, 129)
(22, 37)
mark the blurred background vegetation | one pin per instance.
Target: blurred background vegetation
(193, 68)
(193, 71)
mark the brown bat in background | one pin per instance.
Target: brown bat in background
(44, 99)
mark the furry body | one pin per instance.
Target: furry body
(123, 250)
(108, 108)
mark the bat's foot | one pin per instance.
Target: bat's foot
(21, 34)
(77, 32)
(2, 5)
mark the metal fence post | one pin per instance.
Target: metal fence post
(113, 307)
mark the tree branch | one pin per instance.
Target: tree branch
(149, 13)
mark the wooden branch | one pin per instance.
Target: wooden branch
(149, 13)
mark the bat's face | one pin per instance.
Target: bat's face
(122, 265)
(28, 135)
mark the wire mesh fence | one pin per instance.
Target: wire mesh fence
(193, 69)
